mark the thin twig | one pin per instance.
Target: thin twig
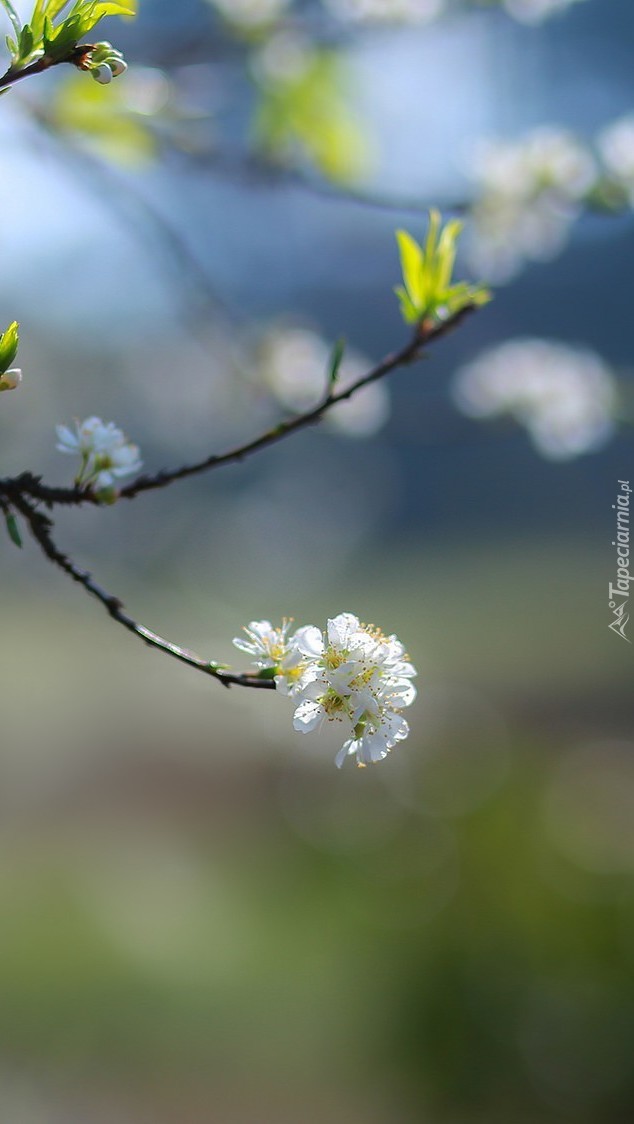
(24, 492)
(27, 484)
(41, 527)
(424, 335)
(74, 55)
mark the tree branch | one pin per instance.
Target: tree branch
(11, 76)
(428, 332)
(425, 334)
(41, 526)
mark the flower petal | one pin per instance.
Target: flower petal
(308, 716)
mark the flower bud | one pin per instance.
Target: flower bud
(107, 495)
(102, 74)
(11, 379)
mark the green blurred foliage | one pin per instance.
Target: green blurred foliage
(408, 929)
(304, 114)
(102, 119)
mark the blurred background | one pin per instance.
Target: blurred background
(203, 920)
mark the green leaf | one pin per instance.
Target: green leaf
(115, 8)
(26, 41)
(85, 15)
(408, 309)
(13, 16)
(427, 271)
(59, 38)
(13, 529)
(335, 361)
(411, 265)
(447, 246)
(9, 341)
(45, 10)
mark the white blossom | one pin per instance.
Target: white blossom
(351, 674)
(564, 396)
(273, 648)
(106, 454)
(529, 193)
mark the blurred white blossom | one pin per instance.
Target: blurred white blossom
(564, 396)
(528, 195)
(106, 454)
(251, 13)
(616, 148)
(387, 11)
(422, 11)
(534, 11)
(351, 674)
(293, 366)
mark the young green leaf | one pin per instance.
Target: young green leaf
(57, 37)
(9, 341)
(427, 289)
(13, 529)
(25, 41)
(13, 16)
(335, 362)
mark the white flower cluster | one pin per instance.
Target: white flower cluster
(351, 674)
(106, 454)
(529, 193)
(293, 364)
(564, 396)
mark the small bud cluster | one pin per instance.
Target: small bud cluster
(106, 455)
(104, 62)
(350, 673)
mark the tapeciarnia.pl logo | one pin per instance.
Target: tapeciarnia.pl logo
(619, 594)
